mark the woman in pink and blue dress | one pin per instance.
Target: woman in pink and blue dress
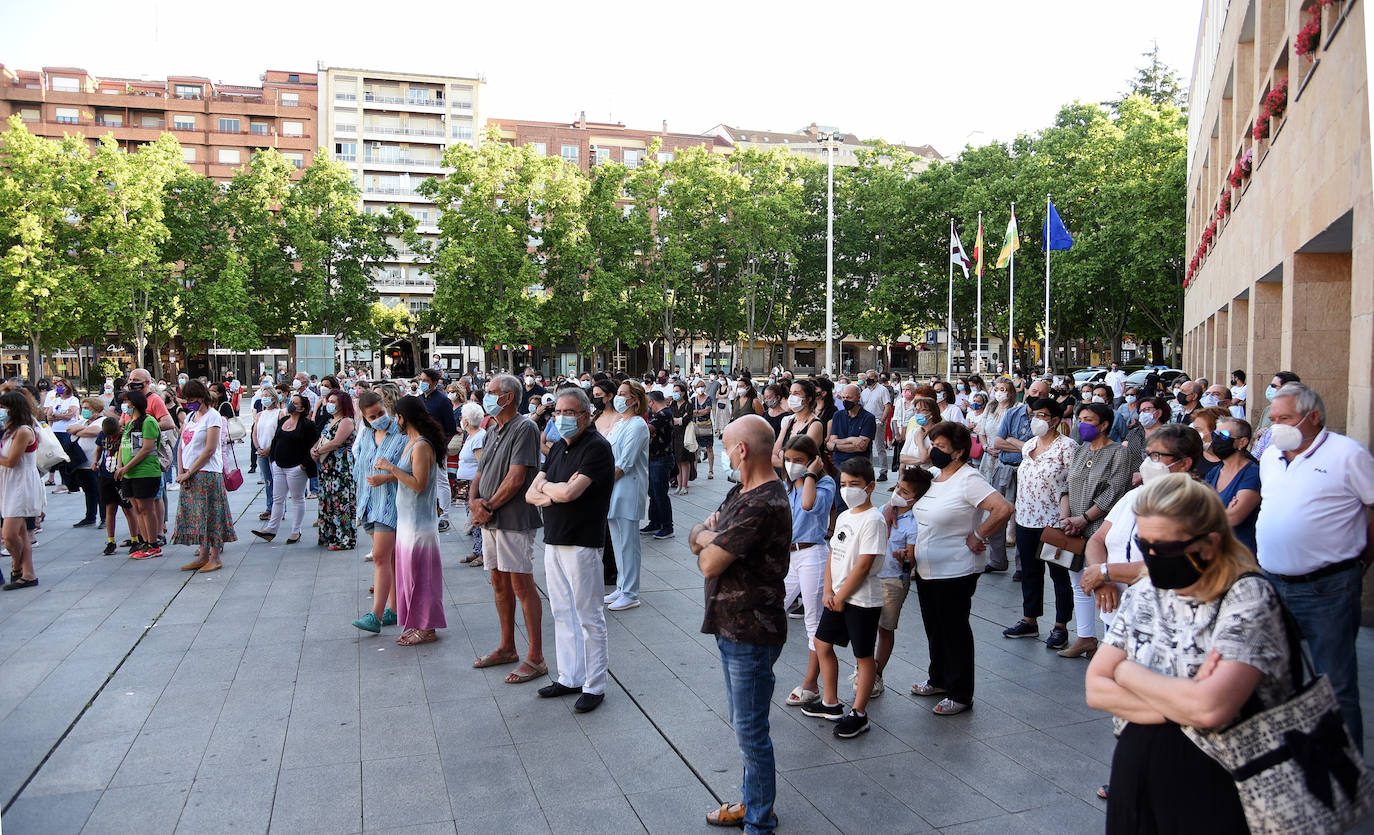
(419, 574)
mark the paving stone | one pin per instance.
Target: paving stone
(853, 801)
(150, 808)
(405, 790)
(162, 755)
(52, 814)
(232, 804)
(320, 799)
(80, 765)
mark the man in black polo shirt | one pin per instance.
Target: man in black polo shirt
(574, 489)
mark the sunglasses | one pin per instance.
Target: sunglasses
(1167, 549)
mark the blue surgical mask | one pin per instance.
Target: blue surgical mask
(922, 420)
(491, 404)
(566, 425)
(1270, 393)
(1210, 401)
(1130, 398)
(621, 404)
(331, 408)
(4, 416)
(85, 414)
(125, 408)
(677, 395)
(382, 423)
(939, 397)
(424, 387)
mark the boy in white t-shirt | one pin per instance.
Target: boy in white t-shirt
(895, 576)
(853, 600)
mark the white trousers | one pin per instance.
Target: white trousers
(574, 575)
(806, 576)
(445, 492)
(1084, 608)
(286, 482)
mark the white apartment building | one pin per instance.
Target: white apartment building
(391, 130)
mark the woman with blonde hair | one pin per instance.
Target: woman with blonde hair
(1192, 642)
(925, 415)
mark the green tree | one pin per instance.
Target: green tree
(44, 186)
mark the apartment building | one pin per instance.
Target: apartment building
(1280, 212)
(586, 144)
(391, 130)
(807, 142)
(219, 125)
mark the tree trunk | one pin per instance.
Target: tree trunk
(36, 368)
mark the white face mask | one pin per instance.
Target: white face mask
(795, 403)
(853, 496)
(1151, 470)
(1000, 396)
(1286, 437)
(794, 470)
(898, 500)
(1039, 427)
(1148, 419)
(1097, 398)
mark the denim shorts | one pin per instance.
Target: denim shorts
(378, 527)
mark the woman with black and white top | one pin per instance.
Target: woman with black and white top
(292, 467)
(801, 402)
(203, 516)
(264, 430)
(1192, 641)
(1098, 476)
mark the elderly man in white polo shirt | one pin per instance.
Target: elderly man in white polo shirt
(1315, 534)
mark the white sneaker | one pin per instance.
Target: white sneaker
(611, 598)
(624, 603)
(878, 688)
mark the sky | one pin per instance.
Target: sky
(944, 74)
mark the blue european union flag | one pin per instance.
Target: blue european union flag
(1056, 236)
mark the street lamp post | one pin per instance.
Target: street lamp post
(831, 139)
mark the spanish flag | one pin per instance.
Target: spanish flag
(978, 248)
(1012, 243)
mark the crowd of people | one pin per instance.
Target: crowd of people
(1173, 531)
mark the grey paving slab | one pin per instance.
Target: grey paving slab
(243, 700)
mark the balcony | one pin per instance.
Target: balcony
(374, 98)
(392, 282)
(345, 97)
(402, 162)
(342, 128)
(387, 131)
(393, 192)
(67, 120)
(346, 157)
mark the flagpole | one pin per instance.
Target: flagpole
(1011, 304)
(978, 346)
(949, 316)
(1047, 283)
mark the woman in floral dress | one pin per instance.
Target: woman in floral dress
(338, 492)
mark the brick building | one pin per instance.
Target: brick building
(585, 143)
(807, 142)
(218, 125)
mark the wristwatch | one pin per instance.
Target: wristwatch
(1104, 572)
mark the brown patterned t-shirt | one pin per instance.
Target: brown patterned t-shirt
(744, 603)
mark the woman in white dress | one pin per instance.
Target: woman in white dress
(21, 488)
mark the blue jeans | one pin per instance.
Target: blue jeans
(749, 684)
(1328, 611)
(660, 506)
(265, 464)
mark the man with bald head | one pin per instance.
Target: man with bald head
(742, 550)
(852, 431)
(1189, 397)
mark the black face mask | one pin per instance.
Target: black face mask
(851, 405)
(135, 387)
(1182, 398)
(1169, 564)
(940, 458)
(598, 403)
(1223, 446)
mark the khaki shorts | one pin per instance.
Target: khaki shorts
(508, 551)
(895, 590)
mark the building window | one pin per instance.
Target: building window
(290, 99)
(150, 122)
(569, 153)
(180, 122)
(346, 151)
(630, 158)
(805, 357)
(462, 132)
(28, 114)
(293, 77)
(665, 156)
(187, 91)
(66, 85)
(188, 154)
(293, 128)
(540, 148)
(228, 125)
(601, 155)
(228, 156)
(67, 115)
(111, 120)
(259, 128)
(295, 159)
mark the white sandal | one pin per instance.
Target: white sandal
(927, 689)
(800, 696)
(949, 707)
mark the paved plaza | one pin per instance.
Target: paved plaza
(137, 698)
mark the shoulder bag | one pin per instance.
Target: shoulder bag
(49, 454)
(233, 479)
(689, 434)
(1061, 549)
(1295, 765)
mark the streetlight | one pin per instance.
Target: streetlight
(831, 138)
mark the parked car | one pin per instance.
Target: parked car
(1088, 375)
(1166, 376)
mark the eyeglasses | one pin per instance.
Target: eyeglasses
(1166, 549)
(1155, 456)
(569, 412)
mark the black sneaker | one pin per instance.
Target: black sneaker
(882, 475)
(1021, 629)
(668, 534)
(588, 702)
(796, 610)
(84, 523)
(110, 547)
(820, 710)
(1058, 639)
(443, 525)
(851, 725)
(1016, 576)
(648, 530)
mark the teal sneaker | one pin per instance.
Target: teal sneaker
(368, 623)
(388, 617)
